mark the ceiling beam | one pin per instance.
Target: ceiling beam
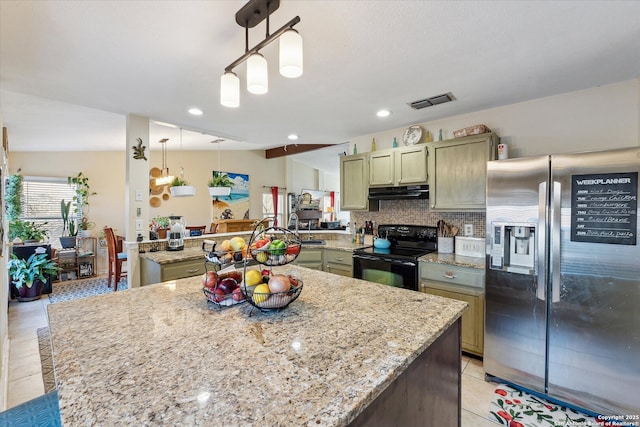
(287, 150)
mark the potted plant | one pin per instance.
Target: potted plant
(27, 231)
(220, 184)
(28, 275)
(68, 238)
(180, 187)
(85, 227)
(160, 225)
(81, 199)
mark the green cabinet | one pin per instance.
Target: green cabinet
(310, 258)
(354, 182)
(463, 284)
(381, 168)
(338, 262)
(398, 166)
(152, 272)
(458, 171)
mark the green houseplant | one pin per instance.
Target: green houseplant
(81, 199)
(13, 197)
(69, 232)
(180, 187)
(220, 184)
(27, 231)
(28, 275)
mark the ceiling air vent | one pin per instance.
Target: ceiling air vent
(434, 100)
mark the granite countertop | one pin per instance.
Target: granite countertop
(168, 257)
(160, 355)
(453, 259)
(196, 253)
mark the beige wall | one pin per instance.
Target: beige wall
(599, 118)
(106, 172)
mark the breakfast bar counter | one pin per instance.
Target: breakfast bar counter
(346, 352)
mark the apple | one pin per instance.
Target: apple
(227, 285)
(293, 280)
(237, 294)
(211, 279)
(219, 295)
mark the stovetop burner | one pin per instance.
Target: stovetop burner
(407, 241)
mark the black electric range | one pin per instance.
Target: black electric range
(398, 264)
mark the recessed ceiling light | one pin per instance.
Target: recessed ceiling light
(195, 111)
(383, 113)
(293, 137)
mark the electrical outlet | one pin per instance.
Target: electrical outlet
(138, 225)
(468, 230)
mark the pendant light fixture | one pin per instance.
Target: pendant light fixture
(230, 90)
(250, 15)
(164, 178)
(291, 54)
(179, 186)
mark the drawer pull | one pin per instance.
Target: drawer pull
(339, 259)
(449, 275)
(195, 270)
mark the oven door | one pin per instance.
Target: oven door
(387, 271)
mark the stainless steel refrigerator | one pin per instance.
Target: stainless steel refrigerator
(563, 278)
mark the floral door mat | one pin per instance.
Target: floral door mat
(515, 408)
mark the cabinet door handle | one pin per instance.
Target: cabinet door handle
(195, 270)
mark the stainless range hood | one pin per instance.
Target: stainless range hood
(398, 193)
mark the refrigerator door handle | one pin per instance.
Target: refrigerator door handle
(541, 261)
(555, 242)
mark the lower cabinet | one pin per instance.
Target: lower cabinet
(152, 272)
(310, 258)
(338, 262)
(473, 318)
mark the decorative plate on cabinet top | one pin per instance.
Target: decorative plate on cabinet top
(412, 135)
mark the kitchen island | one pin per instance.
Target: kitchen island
(346, 352)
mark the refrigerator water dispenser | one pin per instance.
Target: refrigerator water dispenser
(513, 248)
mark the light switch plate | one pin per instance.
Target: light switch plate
(138, 225)
(138, 196)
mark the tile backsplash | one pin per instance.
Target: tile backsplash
(417, 212)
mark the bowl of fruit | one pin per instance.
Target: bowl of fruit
(268, 291)
(223, 289)
(225, 252)
(274, 248)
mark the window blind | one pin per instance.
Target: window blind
(41, 197)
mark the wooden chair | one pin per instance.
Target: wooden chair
(213, 228)
(115, 258)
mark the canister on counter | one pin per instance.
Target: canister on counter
(503, 151)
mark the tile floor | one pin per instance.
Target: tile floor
(26, 317)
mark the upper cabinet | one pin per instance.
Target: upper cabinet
(458, 171)
(354, 182)
(398, 166)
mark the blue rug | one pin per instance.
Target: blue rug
(42, 411)
(84, 288)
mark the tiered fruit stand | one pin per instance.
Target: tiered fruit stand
(267, 247)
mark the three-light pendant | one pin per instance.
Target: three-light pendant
(257, 75)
